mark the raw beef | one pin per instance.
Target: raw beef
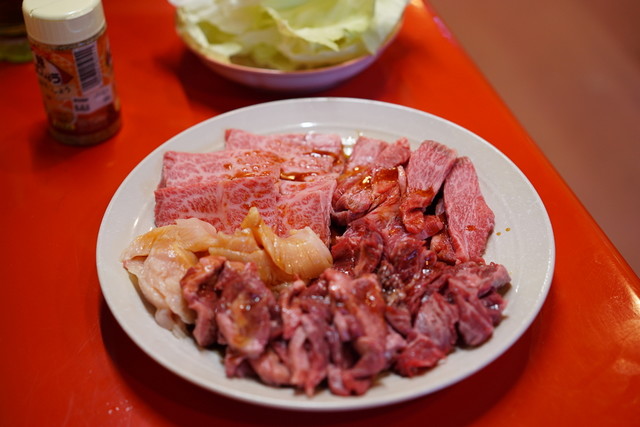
(442, 307)
(441, 242)
(406, 231)
(180, 168)
(199, 290)
(374, 168)
(427, 168)
(275, 173)
(375, 152)
(469, 219)
(305, 156)
(306, 204)
(358, 350)
(306, 318)
(245, 310)
(222, 203)
(285, 144)
(233, 307)
(380, 236)
(362, 190)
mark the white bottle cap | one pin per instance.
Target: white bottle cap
(62, 22)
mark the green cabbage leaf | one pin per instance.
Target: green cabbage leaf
(287, 34)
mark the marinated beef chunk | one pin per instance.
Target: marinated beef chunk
(306, 316)
(358, 251)
(380, 235)
(444, 306)
(427, 169)
(474, 289)
(270, 366)
(362, 191)
(199, 290)
(360, 351)
(229, 298)
(246, 309)
(374, 169)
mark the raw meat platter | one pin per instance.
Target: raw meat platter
(521, 240)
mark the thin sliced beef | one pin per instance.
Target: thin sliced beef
(233, 306)
(474, 289)
(427, 169)
(306, 155)
(271, 366)
(285, 143)
(306, 315)
(181, 168)
(306, 204)
(306, 167)
(375, 152)
(469, 219)
(222, 203)
(445, 305)
(359, 347)
(380, 235)
(246, 309)
(199, 290)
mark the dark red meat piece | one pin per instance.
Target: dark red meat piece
(469, 219)
(427, 169)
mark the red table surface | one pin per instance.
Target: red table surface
(66, 361)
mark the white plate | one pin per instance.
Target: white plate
(525, 244)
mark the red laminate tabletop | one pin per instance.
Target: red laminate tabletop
(66, 361)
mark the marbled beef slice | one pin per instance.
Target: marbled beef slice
(470, 221)
(222, 203)
(181, 168)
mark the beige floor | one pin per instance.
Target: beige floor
(570, 72)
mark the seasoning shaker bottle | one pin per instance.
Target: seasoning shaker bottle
(74, 68)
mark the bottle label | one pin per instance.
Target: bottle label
(77, 85)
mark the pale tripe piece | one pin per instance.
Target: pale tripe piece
(159, 259)
(301, 254)
(243, 247)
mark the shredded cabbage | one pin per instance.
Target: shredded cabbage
(287, 34)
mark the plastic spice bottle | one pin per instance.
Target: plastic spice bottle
(73, 64)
